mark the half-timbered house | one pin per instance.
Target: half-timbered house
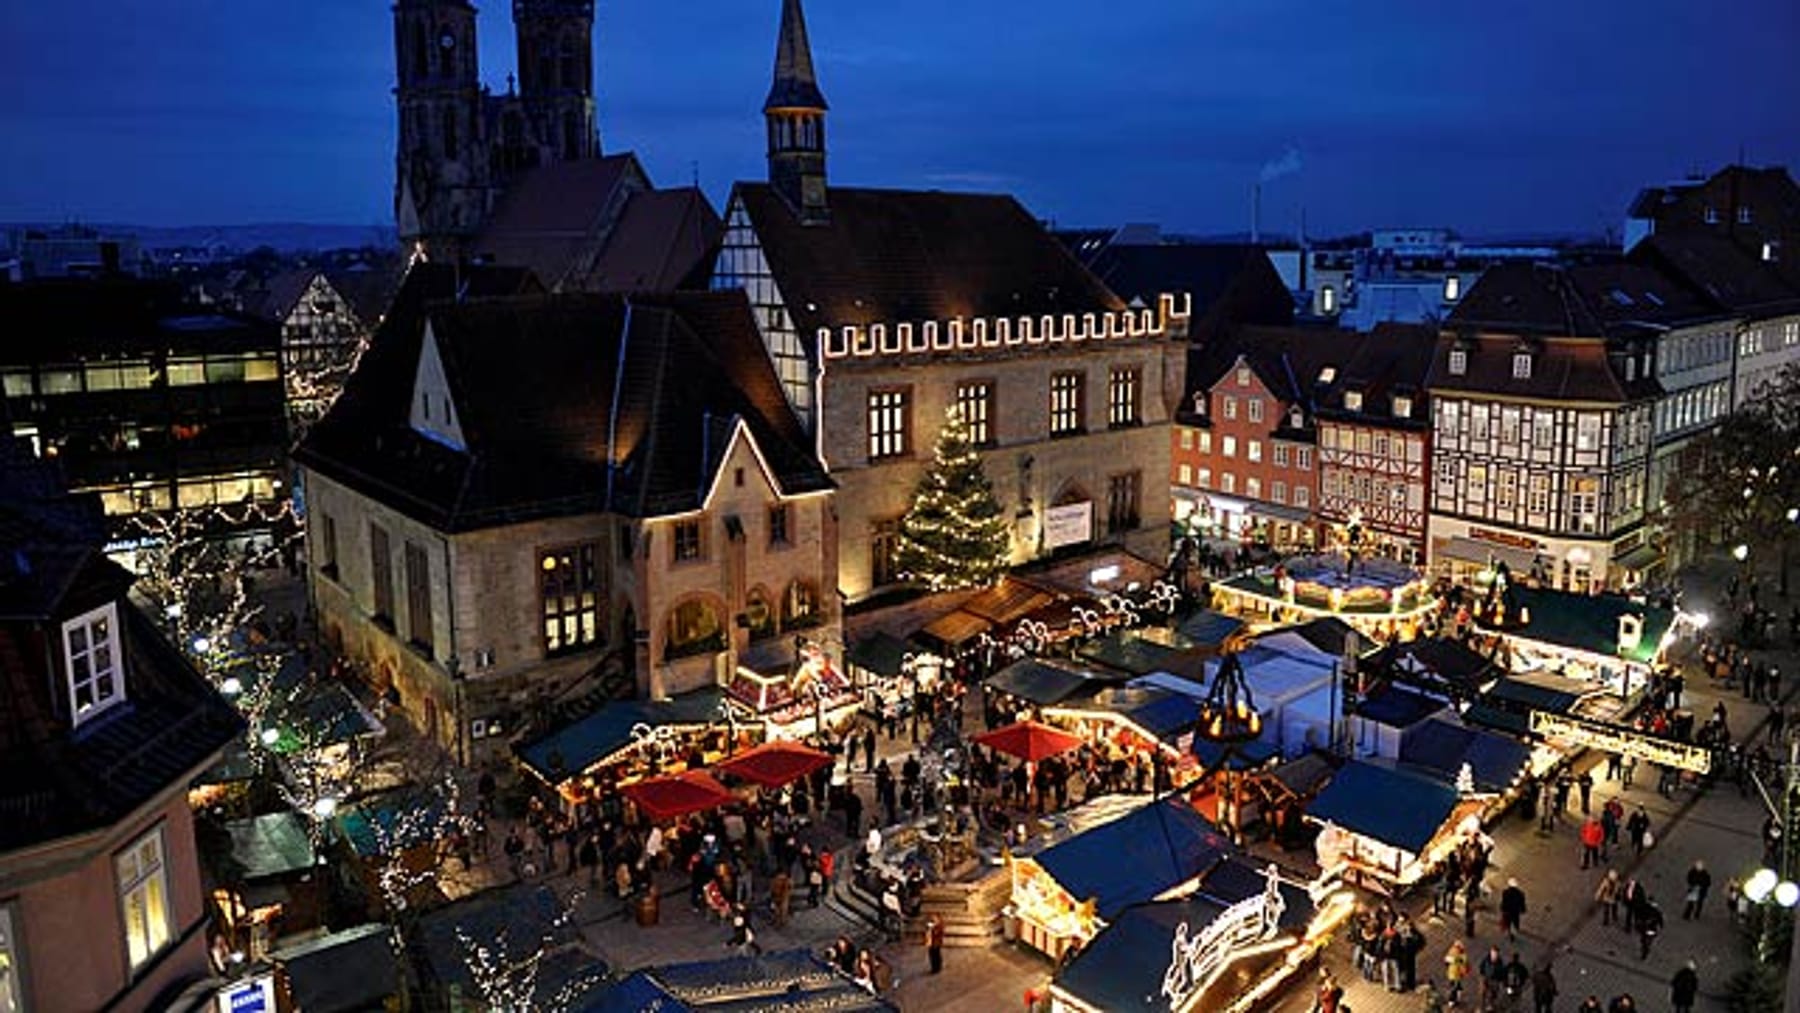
(1375, 444)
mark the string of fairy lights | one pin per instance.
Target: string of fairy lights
(955, 535)
(509, 982)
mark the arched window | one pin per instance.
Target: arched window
(447, 55)
(451, 148)
(571, 135)
(694, 629)
(758, 615)
(800, 606)
(421, 51)
(571, 65)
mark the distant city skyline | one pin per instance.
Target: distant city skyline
(1541, 118)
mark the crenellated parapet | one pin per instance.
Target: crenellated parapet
(959, 334)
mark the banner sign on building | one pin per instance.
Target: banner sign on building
(1068, 525)
(1198, 960)
(1617, 739)
(252, 995)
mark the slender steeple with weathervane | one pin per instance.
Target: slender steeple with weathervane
(795, 113)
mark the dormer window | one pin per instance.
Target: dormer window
(1327, 300)
(1521, 365)
(1459, 362)
(1353, 400)
(1452, 288)
(1403, 407)
(1768, 252)
(1712, 216)
(1296, 419)
(1243, 376)
(1199, 402)
(1743, 214)
(94, 662)
(1328, 374)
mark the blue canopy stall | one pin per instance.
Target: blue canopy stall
(1385, 827)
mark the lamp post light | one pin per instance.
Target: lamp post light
(270, 736)
(1775, 898)
(1740, 552)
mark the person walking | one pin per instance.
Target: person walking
(934, 943)
(1586, 784)
(1606, 897)
(1543, 989)
(1650, 922)
(1493, 977)
(1612, 816)
(1512, 908)
(1456, 968)
(1593, 835)
(1684, 987)
(1699, 883)
(1637, 828)
(781, 893)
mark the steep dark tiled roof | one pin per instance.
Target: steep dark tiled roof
(1722, 271)
(660, 241)
(1392, 359)
(1573, 369)
(795, 85)
(1231, 283)
(1588, 300)
(888, 256)
(651, 385)
(1288, 360)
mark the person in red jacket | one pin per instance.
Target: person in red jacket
(1593, 835)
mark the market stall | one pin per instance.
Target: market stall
(1226, 948)
(1437, 665)
(354, 969)
(1381, 598)
(1214, 631)
(890, 672)
(1142, 651)
(789, 979)
(1382, 721)
(1065, 894)
(668, 798)
(1136, 719)
(1606, 640)
(795, 701)
(1032, 683)
(631, 739)
(775, 764)
(1385, 828)
(268, 879)
(1496, 764)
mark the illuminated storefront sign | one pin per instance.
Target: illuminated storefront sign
(1198, 960)
(253, 995)
(1596, 735)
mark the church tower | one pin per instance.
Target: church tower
(795, 114)
(441, 186)
(556, 76)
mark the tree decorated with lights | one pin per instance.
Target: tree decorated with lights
(508, 976)
(955, 535)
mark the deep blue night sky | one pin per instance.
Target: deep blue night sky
(1493, 118)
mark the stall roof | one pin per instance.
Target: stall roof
(1169, 682)
(953, 629)
(1045, 683)
(1210, 627)
(1123, 967)
(576, 747)
(527, 914)
(1135, 857)
(1532, 696)
(881, 653)
(1442, 747)
(1126, 651)
(1160, 712)
(1305, 774)
(1447, 661)
(1584, 622)
(342, 972)
(1276, 676)
(1398, 708)
(1008, 601)
(786, 979)
(273, 844)
(1327, 634)
(1395, 807)
(1511, 722)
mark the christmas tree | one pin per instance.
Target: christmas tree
(955, 535)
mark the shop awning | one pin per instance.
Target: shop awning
(1640, 559)
(1030, 741)
(666, 798)
(1473, 550)
(881, 653)
(1399, 809)
(1135, 857)
(344, 971)
(273, 844)
(1045, 684)
(1442, 747)
(575, 747)
(773, 764)
(956, 629)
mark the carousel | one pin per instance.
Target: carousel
(1380, 598)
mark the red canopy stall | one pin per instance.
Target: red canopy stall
(666, 798)
(776, 763)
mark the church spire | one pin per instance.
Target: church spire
(795, 114)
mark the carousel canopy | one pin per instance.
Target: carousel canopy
(1030, 741)
(1400, 809)
(1045, 683)
(1135, 857)
(881, 653)
(575, 747)
(349, 970)
(1582, 622)
(790, 979)
(667, 798)
(776, 763)
(1442, 747)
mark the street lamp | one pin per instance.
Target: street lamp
(326, 806)
(231, 686)
(270, 736)
(1740, 552)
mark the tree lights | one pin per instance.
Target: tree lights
(955, 535)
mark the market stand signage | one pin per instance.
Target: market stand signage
(1599, 735)
(1197, 961)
